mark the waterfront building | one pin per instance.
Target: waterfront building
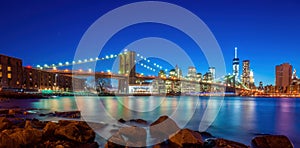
(208, 77)
(236, 65)
(10, 73)
(178, 72)
(199, 76)
(251, 79)
(261, 86)
(38, 80)
(191, 73)
(172, 73)
(212, 70)
(246, 73)
(283, 79)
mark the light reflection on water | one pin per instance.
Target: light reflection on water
(239, 119)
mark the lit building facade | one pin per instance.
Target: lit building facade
(191, 73)
(36, 80)
(283, 74)
(246, 73)
(212, 70)
(10, 73)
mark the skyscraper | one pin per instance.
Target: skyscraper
(246, 73)
(191, 73)
(212, 70)
(236, 64)
(283, 76)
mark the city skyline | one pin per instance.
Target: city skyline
(50, 33)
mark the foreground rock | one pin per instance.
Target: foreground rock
(77, 131)
(186, 138)
(35, 133)
(163, 127)
(271, 141)
(222, 143)
(133, 137)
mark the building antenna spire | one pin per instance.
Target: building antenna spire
(235, 52)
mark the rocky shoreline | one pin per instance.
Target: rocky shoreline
(23, 132)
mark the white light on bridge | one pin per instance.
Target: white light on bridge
(107, 57)
(90, 70)
(111, 56)
(54, 68)
(67, 63)
(91, 59)
(160, 67)
(142, 57)
(154, 70)
(138, 55)
(60, 64)
(108, 70)
(38, 66)
(74, 62)
(148, 61)
(166, 70)
(116, 55)
(79, 61)
(154, 64)
(85, 60)
(145, 66)
(150, 68)
(157, 66)
(145, 59)
(97, 58)
(142, 64)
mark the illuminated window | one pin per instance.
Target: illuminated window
(0, 74)
(0, 66)
(8, 68)
(18, 82)
(9, 75)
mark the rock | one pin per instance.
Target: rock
(163, 127)
(222, 143)
(186, 138)
(270, 141)
(68, 144)
(69, 114)
(122, 120)
(7, 142)
(139, 121)
(26, 137)
(115, 141)
(4, 123)
(49, 129)
(28, 124)
(136, 136)
(77, 131)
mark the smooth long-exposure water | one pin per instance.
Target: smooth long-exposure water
(238, 118)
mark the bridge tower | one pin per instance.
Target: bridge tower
(127, 67)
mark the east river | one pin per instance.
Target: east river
(233, 118)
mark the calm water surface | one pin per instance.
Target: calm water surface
(238, 119)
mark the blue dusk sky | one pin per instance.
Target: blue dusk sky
(266, 32)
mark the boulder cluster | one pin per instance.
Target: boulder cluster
(15, 133)
(168, 135)
(165, 133)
